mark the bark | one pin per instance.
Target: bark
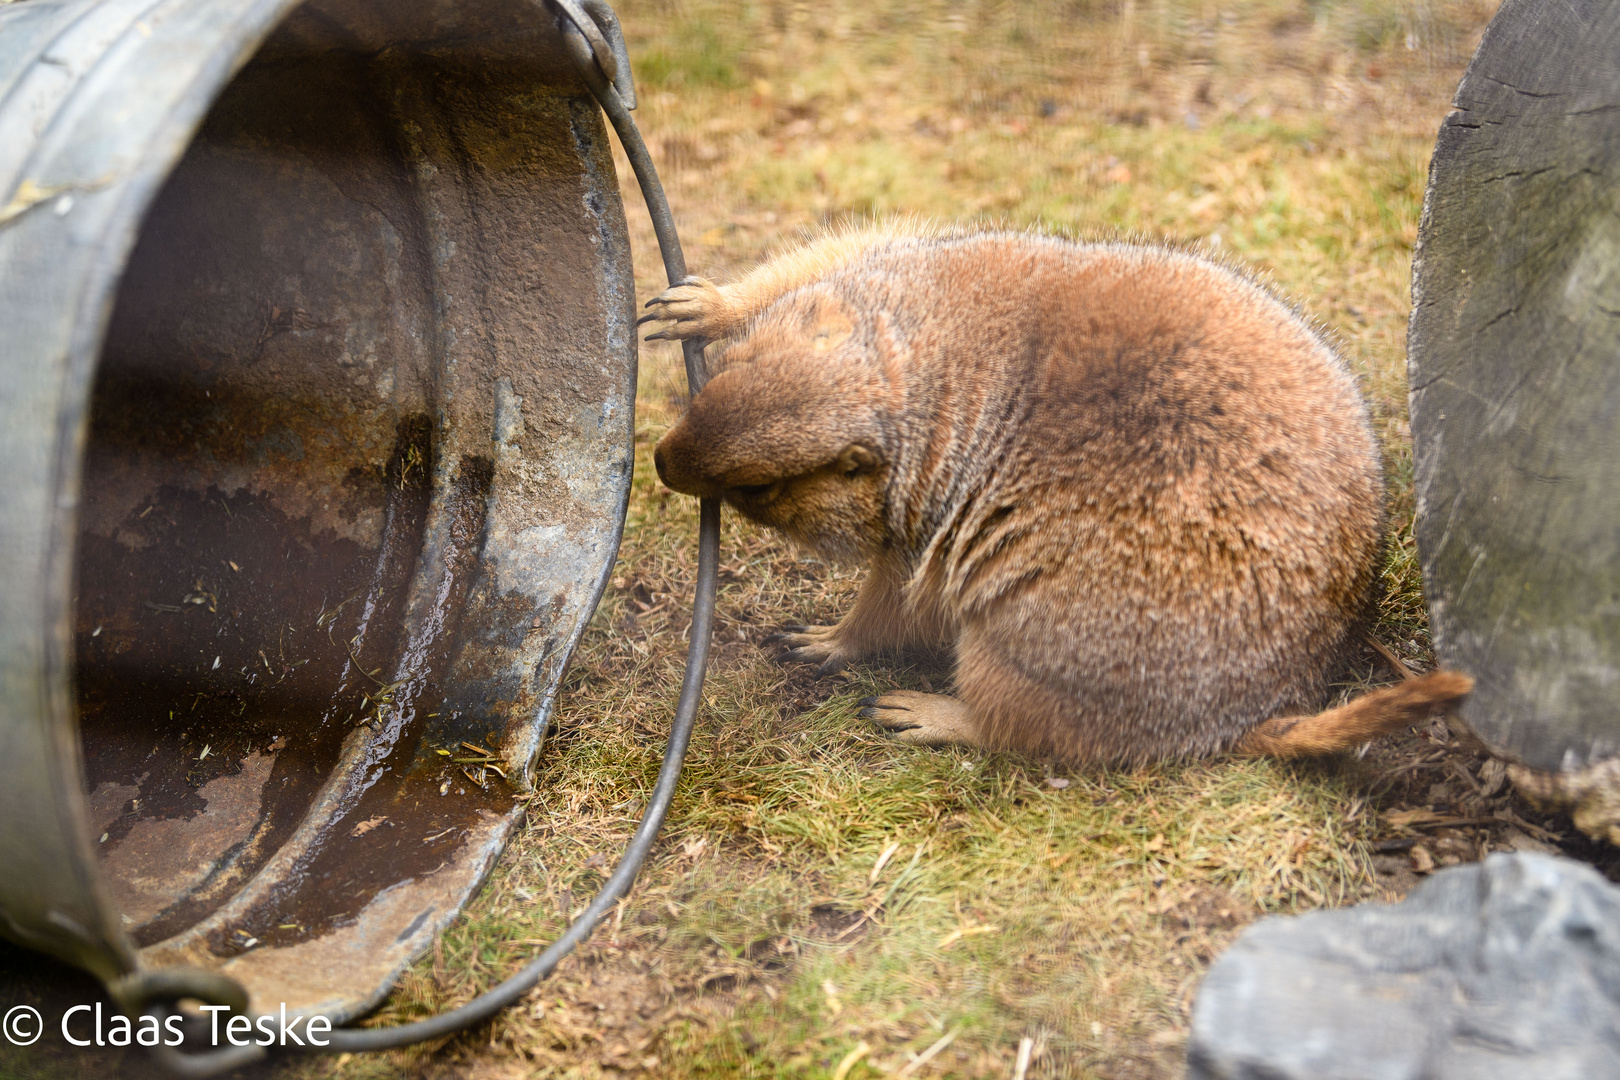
(1514, 362)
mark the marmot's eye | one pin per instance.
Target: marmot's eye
(752, 490)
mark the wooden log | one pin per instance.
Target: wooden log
(1514, 363)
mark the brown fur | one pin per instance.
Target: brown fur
(1137, 493)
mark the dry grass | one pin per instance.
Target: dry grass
(819, 891)
(826, 904)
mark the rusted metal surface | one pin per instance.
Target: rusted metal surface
(323, 477)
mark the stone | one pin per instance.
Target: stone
(1503, 970)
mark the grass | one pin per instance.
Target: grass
(823, 903)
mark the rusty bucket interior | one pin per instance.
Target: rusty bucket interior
(355, 459)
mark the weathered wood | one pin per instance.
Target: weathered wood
(1514, 361)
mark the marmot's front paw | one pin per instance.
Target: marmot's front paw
(695, 307)
(812, 645)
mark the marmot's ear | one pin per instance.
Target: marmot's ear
(857, 459)
(830, 324)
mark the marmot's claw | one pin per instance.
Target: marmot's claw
(923, 719)
(891, 724)
(812, 645)
(689, 279)
(800, 636)
(694, 306)
(815, 654)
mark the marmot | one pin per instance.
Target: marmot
(1137, 493)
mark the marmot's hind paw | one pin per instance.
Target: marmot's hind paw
(811, 645)
(923, 719)
(694, 306)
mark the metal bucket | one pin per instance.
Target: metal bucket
(318, 363)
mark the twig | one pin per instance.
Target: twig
(926, 1056)
(1510, 818)
(1026, 1047)
(1454, 823)
(882, 861)
(1420, 763)
(860, 1051)
(965, 931)
(1389, 657)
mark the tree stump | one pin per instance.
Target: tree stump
(1514, 364)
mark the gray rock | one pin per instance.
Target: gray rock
(1499, 970)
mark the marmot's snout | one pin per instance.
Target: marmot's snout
(658, 463)
(676, 461)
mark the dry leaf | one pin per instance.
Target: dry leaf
(367, 825)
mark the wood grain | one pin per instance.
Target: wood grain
(1514, 362)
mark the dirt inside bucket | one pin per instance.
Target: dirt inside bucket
(226, 651)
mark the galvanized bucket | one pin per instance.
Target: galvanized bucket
(318, 363)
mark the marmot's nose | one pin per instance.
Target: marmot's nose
(672, 457)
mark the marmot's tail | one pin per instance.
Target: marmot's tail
(1352, 724)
